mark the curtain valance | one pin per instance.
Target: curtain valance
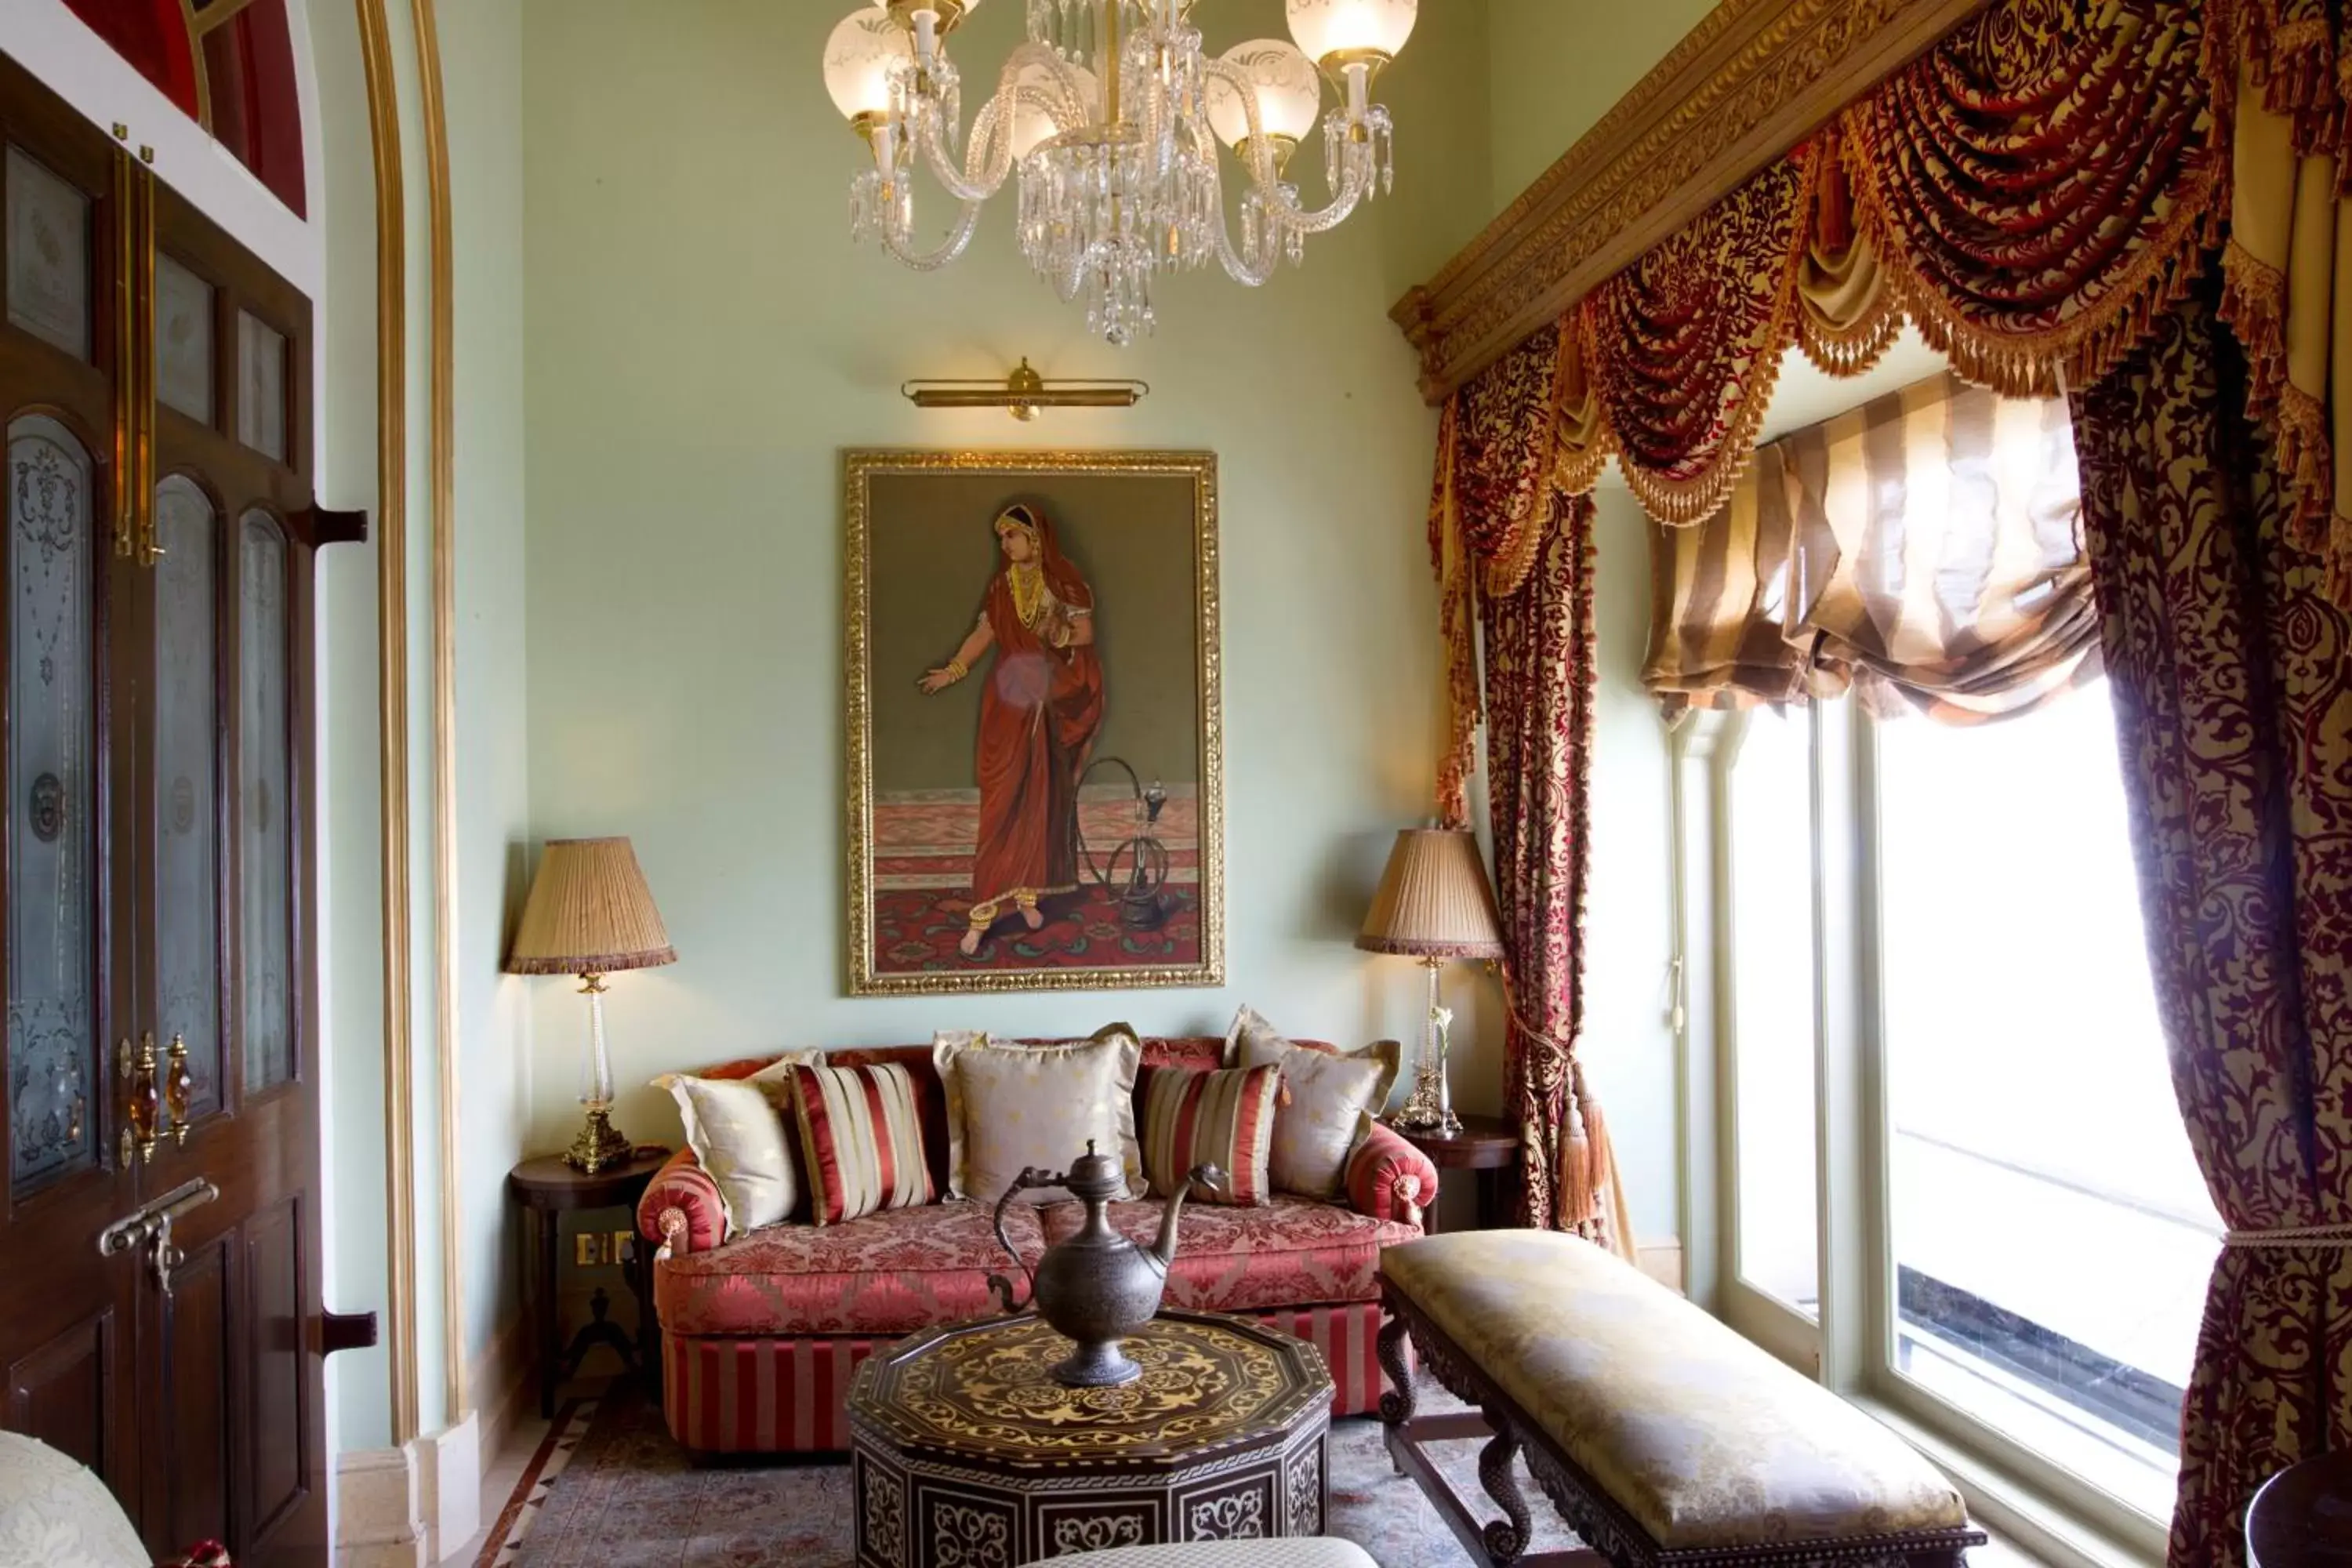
(2032, 194)
(1925, 549)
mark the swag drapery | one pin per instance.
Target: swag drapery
(2111, 201)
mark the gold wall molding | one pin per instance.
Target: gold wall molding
(442, 466)
(392, 697)
(1750, 81)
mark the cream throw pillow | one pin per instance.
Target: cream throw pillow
(741, 1130)
(1015, 1106)
(1320, 1119)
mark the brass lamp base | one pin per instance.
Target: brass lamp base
(600, 1144)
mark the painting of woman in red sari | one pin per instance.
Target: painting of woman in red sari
(1034, 775)
(1041, 706)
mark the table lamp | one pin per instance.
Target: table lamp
(591, 914)
(1433, 904)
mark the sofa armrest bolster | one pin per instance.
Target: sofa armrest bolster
(680, 1211)
(1390, 1179)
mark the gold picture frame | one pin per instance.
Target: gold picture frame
(1107, 835)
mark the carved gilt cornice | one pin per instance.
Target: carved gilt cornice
(1746, 84)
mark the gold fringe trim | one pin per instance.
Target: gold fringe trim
(2076, 352)
(2253, 306)
(1850, 349)
(1577, 466)
(2306, 466)
(1682, 503)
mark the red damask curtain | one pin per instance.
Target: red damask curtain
(2044, 196)
(2232, 671)
(1540, 689)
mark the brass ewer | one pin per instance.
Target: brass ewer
(1098, 1287)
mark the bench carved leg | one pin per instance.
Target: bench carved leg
(1497, 1473)
(1396, 1405)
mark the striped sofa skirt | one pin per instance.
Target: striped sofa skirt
(791, 1395)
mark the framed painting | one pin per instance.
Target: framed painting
(1036, 776)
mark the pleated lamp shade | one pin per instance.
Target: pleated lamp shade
(1434, 900)
(590, 912)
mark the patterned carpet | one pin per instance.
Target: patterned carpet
(628, 1498)
(915, 932)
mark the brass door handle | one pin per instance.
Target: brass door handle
(143, 1100)
(151, 1226)
(179, 1087)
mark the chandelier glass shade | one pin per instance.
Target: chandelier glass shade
(1109, 119)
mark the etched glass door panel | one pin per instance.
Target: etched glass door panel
(260, 386)
(183, 340)
(266, 864)
(53, 896)
(187, 773)
(49, 255)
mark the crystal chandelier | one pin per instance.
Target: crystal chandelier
(1111, 115)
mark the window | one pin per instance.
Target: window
(2035, 1236)
(2049, 1233)
(1772, 1012)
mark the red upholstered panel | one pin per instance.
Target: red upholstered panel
(888, 1273)
(1292, 1251)
(788, 1395)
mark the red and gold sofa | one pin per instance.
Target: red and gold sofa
(759, 1334)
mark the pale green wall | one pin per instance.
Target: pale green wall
(351, 964)
(481, 50)
(1558, 66)
(701, 340)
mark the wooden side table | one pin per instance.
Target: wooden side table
(1488, 1145)
(547, 1188)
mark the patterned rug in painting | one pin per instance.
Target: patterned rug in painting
(629, 1498)
(924, 843)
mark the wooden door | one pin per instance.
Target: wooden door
(207, 679)
(69, 1319)
(224, 612)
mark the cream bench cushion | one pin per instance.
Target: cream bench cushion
(1703, 1438)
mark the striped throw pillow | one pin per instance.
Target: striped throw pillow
(862, 1139)
(1224, 1119)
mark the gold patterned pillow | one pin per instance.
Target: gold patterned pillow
(1326, 1095)
(740, 1132)
(1015, 1106)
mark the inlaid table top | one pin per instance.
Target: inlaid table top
(985, 1391)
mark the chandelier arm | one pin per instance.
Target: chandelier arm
(958, 238)
(988, 155)
(1353, 184)
(1256, 153)
(988, 161)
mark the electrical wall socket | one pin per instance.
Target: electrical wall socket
(600, 1248)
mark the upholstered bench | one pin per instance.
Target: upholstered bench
(1663, 1436)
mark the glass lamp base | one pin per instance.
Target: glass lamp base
(1430, 1108)
(600, 1144)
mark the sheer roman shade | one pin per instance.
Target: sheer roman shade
(1925, 547)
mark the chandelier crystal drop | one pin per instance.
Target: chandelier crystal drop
(1112, 117)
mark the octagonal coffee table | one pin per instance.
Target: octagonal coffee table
(965, 1453)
